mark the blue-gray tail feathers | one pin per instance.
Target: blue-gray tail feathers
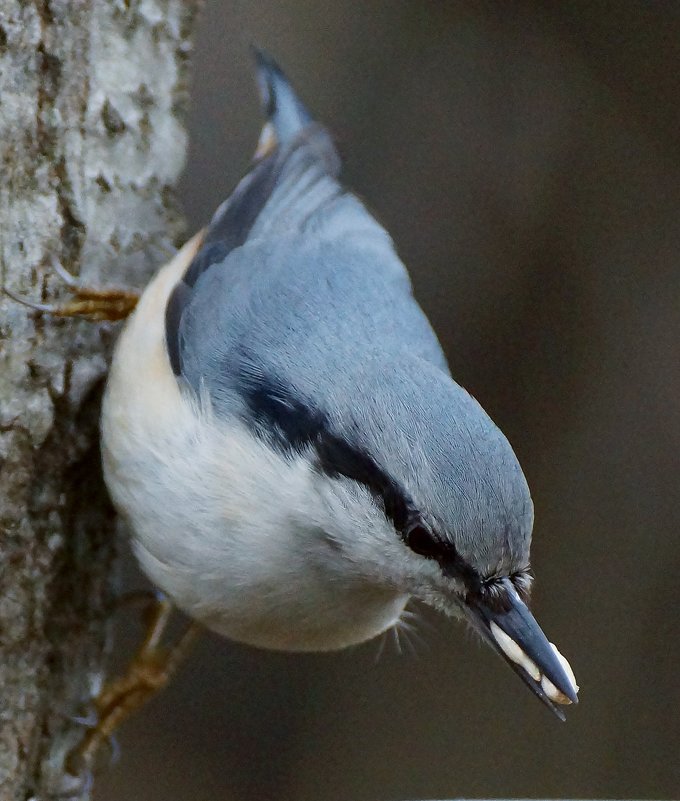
(294, 176)
(280, 103)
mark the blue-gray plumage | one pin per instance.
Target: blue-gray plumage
(314, 304)
(295, 338)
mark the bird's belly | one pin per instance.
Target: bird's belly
(207, 527)
(243, 574)
(219, 521)
(209, 535)
(317, 622)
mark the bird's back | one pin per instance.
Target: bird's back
(310, 308)
(296, 283)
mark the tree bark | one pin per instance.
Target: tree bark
(92, 140)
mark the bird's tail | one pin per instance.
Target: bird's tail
(286, 115)
(294, 174)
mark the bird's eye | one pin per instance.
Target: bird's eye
(423, 542)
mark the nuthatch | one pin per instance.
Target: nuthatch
(282, 434)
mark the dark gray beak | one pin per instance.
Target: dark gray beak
(527, 650)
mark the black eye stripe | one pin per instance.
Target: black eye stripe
(337, 457)
(290, 424)
(423, 541)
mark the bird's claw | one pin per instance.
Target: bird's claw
(110, 303)
(149, 671)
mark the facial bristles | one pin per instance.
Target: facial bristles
(515, 654)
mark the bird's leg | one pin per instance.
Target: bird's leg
(91, 303)
(148, 673)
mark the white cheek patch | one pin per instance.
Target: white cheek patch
(515, 654)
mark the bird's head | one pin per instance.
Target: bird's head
(434, 501)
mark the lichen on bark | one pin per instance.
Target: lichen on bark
(92, 140)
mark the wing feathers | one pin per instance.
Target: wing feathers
(293, 181)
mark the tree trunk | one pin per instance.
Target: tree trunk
(92, 95)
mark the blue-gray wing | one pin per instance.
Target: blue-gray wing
(297, 297)
(297, 320)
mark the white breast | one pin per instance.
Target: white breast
(232, 531)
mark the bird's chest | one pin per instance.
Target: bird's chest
(231, 530)
(230, 542)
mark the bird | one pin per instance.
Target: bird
(281, 432)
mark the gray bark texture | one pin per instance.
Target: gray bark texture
(92, 140)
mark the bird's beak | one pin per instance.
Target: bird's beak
(514, 633)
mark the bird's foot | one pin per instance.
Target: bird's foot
(148, 673)
(110, 303)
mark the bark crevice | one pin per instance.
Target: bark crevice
(89, 165)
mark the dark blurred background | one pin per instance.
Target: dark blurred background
(524, 157)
